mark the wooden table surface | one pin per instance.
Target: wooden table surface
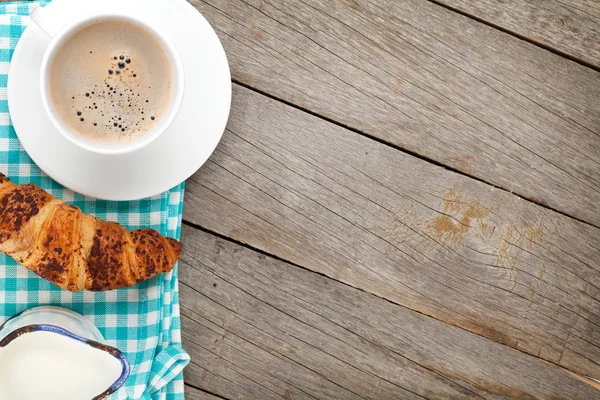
(405, 203)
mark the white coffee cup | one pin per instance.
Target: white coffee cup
(59, 34)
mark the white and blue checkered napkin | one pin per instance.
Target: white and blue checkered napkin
(142, 321)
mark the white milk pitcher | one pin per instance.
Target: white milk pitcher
(51, 353)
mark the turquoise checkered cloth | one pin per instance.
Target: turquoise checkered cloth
(142, 321)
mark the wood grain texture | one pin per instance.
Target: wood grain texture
(259, 328)
(431, 81)
(570, 26)
(414, 233)
(192, 393)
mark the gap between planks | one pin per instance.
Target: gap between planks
(590, 381)
(406, 151)
(469, 96)
(529, 40)
(274, 183)
(202, 394)
(225, 257)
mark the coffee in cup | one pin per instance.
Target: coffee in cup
(110, 82)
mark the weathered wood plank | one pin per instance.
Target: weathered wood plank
(259, 328)
(192, 393)
(414, 233)
(431, 81)
(570, 26)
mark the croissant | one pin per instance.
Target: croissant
(74, 250)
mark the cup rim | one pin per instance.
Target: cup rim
(172, 109)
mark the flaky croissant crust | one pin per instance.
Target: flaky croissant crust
(74, 250)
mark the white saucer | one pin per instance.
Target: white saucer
(165, 162)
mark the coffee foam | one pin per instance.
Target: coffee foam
(111, 82)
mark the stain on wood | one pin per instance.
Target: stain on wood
(448, 229)
(458, 219)
(512, 242)
(256, 31)
(543, 271)
(305, 190)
